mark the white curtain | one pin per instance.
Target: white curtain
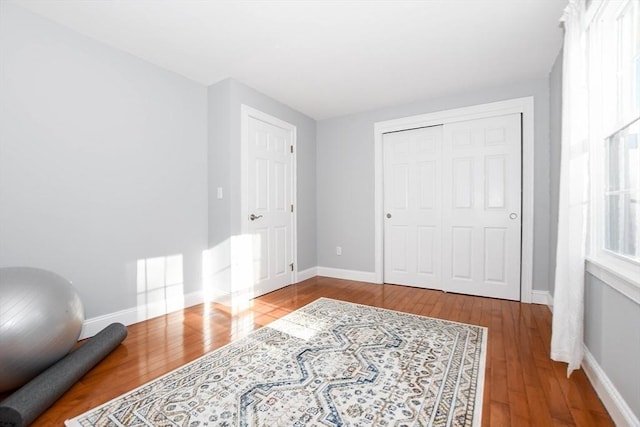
(568, 309)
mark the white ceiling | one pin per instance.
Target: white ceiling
(329, 58)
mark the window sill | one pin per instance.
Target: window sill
(617, 275)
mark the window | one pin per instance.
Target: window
(628, 60)
(614, 129)
(622, 193)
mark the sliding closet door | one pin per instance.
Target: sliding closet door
(481, 227)
(413, 207)
(452, 200)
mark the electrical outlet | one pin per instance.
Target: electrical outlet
(338, 250)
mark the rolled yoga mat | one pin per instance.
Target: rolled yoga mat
(28, 402)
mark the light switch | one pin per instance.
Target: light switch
(219, 192)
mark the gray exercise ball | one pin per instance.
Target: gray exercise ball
(41, 317)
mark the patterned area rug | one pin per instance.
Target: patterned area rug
(330, 363)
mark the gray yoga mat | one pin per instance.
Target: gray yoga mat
(28, 402)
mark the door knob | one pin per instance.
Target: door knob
(513, 215)
(388, 215)
(253, 217)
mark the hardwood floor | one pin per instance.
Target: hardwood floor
(523, 387)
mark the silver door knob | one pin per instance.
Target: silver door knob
(388, 215)
(513, 215)
(253, 217)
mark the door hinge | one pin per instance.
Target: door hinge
(291, 265)
(291, 208)
(291, 147)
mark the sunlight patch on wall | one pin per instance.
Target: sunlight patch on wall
(243, 249)
(231, 269)
(160, 285)
(229, 277)
(216, 272)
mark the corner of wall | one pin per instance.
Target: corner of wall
(542, 297)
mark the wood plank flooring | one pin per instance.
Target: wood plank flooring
(523, 387)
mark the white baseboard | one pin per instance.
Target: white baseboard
(616, 405)
(149, 311)
(96, 324)
(307, 274)
(542, 297)
(145, 312)
(338, 273)
(136, 314)
(217, 296)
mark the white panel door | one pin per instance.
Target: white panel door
(269, 217)
(452, 205)
(481, 225)
(412, 206)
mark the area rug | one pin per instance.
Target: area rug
(330, 363)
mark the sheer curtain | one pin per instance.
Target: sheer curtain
(568, 310)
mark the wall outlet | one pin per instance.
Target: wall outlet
(338, 250)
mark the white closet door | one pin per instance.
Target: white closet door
(452, 205)
(412, 206)
(481, 227)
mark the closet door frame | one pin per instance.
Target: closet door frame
(524, 106)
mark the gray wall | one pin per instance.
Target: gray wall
(612, 336)
(225, 100)
(106, 160)
(219, 168)
(346, 176)
(555, 136)
(103, 161)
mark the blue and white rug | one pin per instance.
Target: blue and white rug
(330, 363)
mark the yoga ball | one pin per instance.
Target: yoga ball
(41, 317)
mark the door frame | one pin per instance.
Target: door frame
(525, 106)
(247, 112)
